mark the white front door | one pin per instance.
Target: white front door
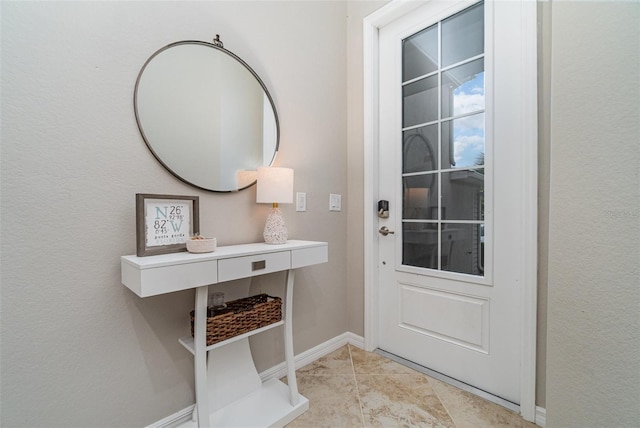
(451, 166)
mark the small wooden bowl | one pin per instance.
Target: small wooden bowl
(201, 245)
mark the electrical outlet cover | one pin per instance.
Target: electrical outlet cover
(335, 202)
(301, 201)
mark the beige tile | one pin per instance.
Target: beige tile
(337, 362)
(370, 363)
(383, 393)
(471, 411)
(333, 402)
(400, 400)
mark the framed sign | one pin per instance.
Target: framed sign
(164, 223)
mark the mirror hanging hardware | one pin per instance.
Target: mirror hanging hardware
(217, 42)
(384, 231)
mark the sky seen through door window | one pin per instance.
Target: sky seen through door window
(468, 135)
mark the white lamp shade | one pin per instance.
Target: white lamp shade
(275, 185)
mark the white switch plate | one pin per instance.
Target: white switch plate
(335, 202)
(301, 201)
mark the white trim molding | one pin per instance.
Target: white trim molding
(541, 416)
(529, 40)
(313, 354)
(371, 26)
(175, 419)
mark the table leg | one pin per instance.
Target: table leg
(288, 340)
(200, 357)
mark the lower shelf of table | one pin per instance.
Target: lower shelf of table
(269, 406)
(188, 342)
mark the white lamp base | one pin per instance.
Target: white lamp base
(275, 231)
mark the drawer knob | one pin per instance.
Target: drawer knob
(261, 264)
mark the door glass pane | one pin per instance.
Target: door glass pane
(420, 54)
(463, 142)
(463, 89)
(420, 149)
(420, 101)
(463, 35)
(462, 248)
(420, 198)
(443, 151)
(463, 195)
(420, 245)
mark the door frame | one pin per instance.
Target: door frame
(528, 105)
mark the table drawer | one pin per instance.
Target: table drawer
(167, 279)
(243, 267)
(309, 256)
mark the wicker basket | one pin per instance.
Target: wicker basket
(244, 315)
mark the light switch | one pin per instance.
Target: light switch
(335, 202)
(301, 201)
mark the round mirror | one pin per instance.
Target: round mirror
(206, 115)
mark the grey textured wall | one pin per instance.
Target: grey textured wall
(78, 348)
(593, 368)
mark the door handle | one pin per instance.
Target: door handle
(384, 231)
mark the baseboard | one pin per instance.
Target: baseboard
(541, 416)
(313, 354)
(301, 360)
(174, 420)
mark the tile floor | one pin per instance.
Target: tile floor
(354, 388)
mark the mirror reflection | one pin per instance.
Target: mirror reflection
(206, 115)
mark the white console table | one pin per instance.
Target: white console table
(229, 391)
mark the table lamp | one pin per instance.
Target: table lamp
(275, 186)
